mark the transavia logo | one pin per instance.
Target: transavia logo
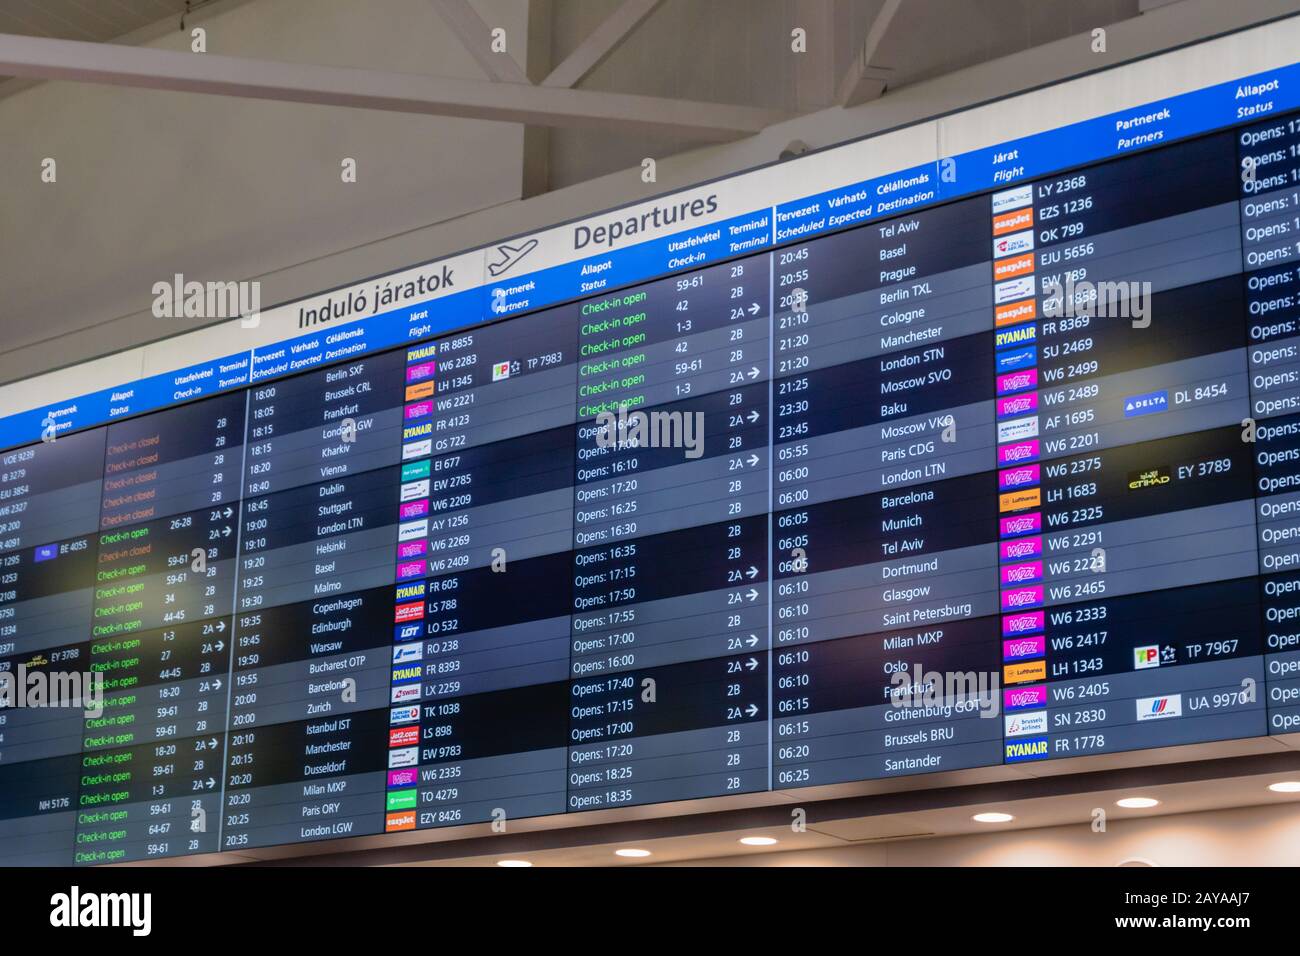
(507, 257)
(76, 909)
(179, 299)
(1157, 708)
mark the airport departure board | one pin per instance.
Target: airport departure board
(1045, 435)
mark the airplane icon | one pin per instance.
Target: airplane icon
(509, 256)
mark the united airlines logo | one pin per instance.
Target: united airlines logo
(1158, 708)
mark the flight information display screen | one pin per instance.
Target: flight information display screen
(1044, 439)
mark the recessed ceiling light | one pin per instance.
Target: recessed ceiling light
(993, 818)
(631, 852)
(1285, 786)
(513, 863)
(758, 841)
(1137, 803)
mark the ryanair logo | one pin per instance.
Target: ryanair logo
(408, 592)
(1020, 335)
(1035, 749)
(417, 431)
(403, 674)
(423, 352)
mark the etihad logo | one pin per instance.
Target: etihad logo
(1152, 478)
(1158, 708)
(1035, 749)
(1013, 221)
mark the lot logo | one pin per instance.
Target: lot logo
(212, 300)
(74, 909)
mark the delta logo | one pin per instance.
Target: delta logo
(404, 693)
(1013, 526)
(1020, 500)
(403, 736)
(1013, 198)
(1018, 549)
(1152, 403)
(417, 449)
(417, 392)
(1017, 404)
(1017, 381)
(409, 592)
(1158, 708)
(1147, 656)
(1026, 573)
(421, 353)
(405, 653)
(410, 569)
(413, 509)
(420, 372)
(401, 800)
(1015, 312)
(415, 489)
(1018, 648)
(416, 469)
(404, 715)
(1020, 242)
(406, 757)
(1024, 673)
(417, 431)
(1015, 359)
(1024, 623)
(1013, 221)
(1017, 429)
(408, 632)
(412, 549)
(1018, 598)
(1015, 453)
(1018, 750)
(408, 612)
(1019, 476)
(402, 778)
(1023, 698)
(397, 822)
(1016, 335)
(1030, 722)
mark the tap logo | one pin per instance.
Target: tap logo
(1144, 657)
(509, 256)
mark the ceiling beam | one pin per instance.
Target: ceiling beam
(144, 67)
(476, 37)
(603, 40)
(864, 80)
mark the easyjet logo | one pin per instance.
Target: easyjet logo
(1015, 266)
(1011, 221)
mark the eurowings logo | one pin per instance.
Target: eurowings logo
(509, 256)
